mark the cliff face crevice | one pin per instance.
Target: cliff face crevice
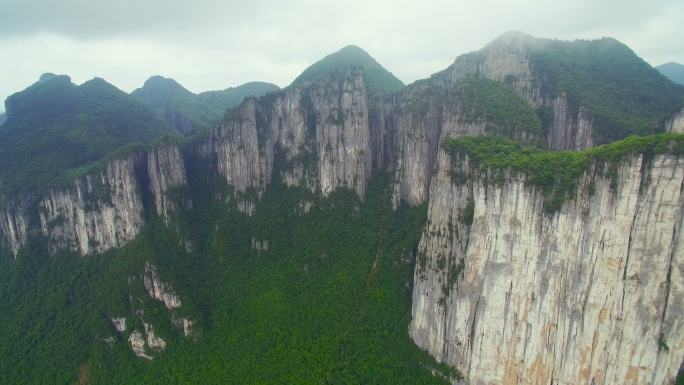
(590, 294)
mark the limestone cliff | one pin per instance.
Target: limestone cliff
(167, 179)
(592, 293)
(318, 130)
(427, 112)
(102, 209)
(97, 213)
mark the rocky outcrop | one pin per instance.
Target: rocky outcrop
(509, 294)
(426, 113)
(167, 180)
(98, 213)
(154, 342)
(159, 290)
(119, 324)
(137, 342)
(318, 130)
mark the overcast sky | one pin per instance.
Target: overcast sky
(207, 44)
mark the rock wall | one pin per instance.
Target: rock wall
(591, 294)
(97, 213)
(101, 210)
(14, 225)
(425, 114)
(167, 179)
(319, 131)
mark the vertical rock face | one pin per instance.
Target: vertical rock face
(676, 124)
(429, 112)
(166, 172)
(507, 60)
(14, 225)
(590, 294)
(99, 212)
(319, 130)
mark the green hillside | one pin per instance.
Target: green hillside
(378, 79)
(187, 111)
(55, 126)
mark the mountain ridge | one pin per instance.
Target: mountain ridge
(673, 71)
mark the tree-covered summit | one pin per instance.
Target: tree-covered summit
(378, 79)
(623, 93)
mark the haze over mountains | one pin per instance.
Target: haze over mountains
(349, 229)
(673, 71)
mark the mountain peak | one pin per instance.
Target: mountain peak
(158, 91)
(378, 79)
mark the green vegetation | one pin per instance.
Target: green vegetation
(624, 94)
(556, 173)
(507, 113)
(378, 79)
(327, 303)
(193, 112)
(673, 71)
(55, 128)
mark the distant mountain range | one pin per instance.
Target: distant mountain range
(674, 71)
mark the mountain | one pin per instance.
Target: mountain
(54, 128)
(188, 111)
(378, 79)
(587, 92)
(324, 233)
(158, 91)
(673, 71)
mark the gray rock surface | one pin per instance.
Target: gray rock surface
(167, 179)
(590, 294)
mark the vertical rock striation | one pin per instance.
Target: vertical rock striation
(590, 294)
(167, 179)
(97, 213)
(319, 130)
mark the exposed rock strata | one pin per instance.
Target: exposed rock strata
(167, 179)
(590, 294)
(319, 131)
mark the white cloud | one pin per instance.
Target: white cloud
(208, 45)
